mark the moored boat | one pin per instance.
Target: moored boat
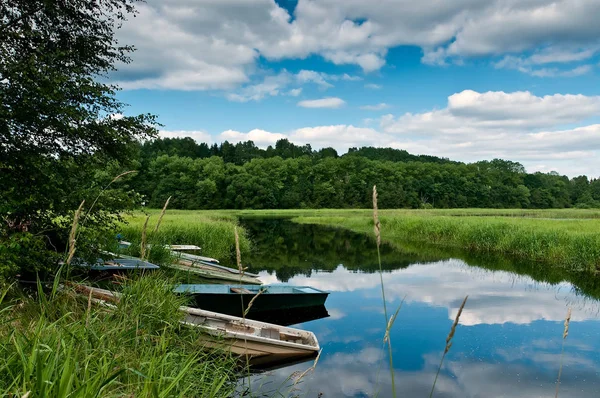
(265, 345)
(226, 298)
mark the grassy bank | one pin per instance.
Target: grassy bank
(59, 345)
(569, 239)
(212, 231)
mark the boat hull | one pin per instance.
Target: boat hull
(236, 299)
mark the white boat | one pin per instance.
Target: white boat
(264, 345)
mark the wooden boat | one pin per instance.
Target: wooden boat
(206, 267)
(210, 269)
(116, 264)
(226, 298)
(265, 345)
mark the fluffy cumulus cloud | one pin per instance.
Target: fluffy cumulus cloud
(521, 126)
(202, 45)
(260, 137)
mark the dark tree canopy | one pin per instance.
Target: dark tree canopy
(60, 122)
(295, 176)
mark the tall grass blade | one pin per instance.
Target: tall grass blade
(377, 230)
(144, 237)
(562, 351)
(311, 369)
(162, 214)
(448, 343)
(73, 233)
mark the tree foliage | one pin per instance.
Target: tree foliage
(60, 124)
(291, 176)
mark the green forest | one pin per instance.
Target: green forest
(243, 176)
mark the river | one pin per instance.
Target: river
(508, 342)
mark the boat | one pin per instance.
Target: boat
(210, 268)
(115, 265)
(264, 345)
(235, 299)
(205, 267)
(291, 316)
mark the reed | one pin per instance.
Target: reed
(162, 214)
(73, 233)
(238, 253)
(143, 243)
(247, 310)
(562, 351)
(448, 343)
(299, 377)
(387, 339)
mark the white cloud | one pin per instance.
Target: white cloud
(377, 107)
(273, 85)
(199, 135)
(260, 137)
(329, 102)
(295, 92)
(191, 45)
(373, 86)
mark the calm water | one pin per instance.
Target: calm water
(508, 343)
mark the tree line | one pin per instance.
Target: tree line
(243, 176)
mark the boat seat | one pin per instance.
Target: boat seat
(270, 333)
(241, 290)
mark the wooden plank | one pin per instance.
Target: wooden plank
(183, 247)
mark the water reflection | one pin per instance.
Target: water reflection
(508, 342)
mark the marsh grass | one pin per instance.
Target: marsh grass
(569, 243)
(63, 345)
(213, 233)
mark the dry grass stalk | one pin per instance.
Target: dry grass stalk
(143, 244)
(449, 342)
(26, 395)
(562, 351)
(89, 309)
(376, 223)
(238, 253)
(162, 213)
(390, 323)
(122, 175)
(73, 233)
(311, 369)
(261, 291)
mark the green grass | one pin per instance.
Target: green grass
(58, 346)
(569, 239)
(212, 231)
(564, 238)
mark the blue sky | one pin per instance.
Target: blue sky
(466, 79)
